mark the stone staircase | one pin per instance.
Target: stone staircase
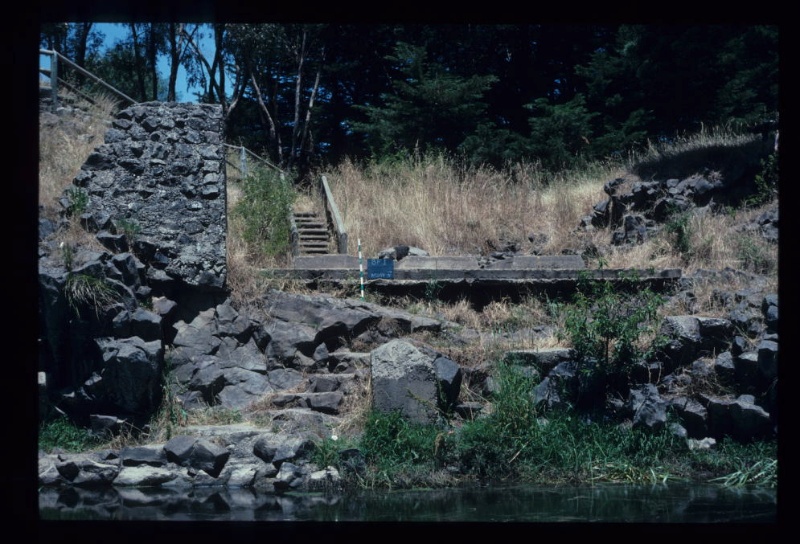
(314, 236)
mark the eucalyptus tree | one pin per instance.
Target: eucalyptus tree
(79, 42)
(280, 66)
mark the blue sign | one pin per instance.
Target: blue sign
(380, 269)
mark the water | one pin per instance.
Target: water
(521, 503)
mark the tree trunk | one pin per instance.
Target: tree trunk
(138, 60)
(306, 141)
(301, 57)
(152, 57)
(213, 83)
(274, 135)
(174, 57)
(83, 30)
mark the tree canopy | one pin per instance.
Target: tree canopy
(309, 94)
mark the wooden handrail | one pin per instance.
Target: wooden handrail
(334, 216)
(251, 154)
(65, 60)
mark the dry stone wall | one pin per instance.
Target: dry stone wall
(158, 183)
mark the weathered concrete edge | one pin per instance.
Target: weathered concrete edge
(481, 274)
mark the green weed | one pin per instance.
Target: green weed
(611, 330)
(766, 181)
(77, 201)
(265, 208)
(130, 228)
(679, 227)
(63, 434)
(82, 290)
(391, 440)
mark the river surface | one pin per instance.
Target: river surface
(606, 503)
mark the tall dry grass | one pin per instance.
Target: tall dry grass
(65, 142)
(450, 209)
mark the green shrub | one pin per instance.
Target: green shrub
(77, 201)
(265, 208)
(129, 227)
(766, 181)
(609, 329)
(62, 433)
(678, 226)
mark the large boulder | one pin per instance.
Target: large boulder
(131, 380)
(738, 418)
(413, 380)
(197, 453)
(647, 408)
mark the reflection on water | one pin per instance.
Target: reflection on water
(523, 503)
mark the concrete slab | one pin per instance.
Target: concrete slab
(436, 263)
(326, 262)
(539, 262)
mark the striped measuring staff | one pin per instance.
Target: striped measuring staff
(361, 269)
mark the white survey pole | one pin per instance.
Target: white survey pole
(361, 269)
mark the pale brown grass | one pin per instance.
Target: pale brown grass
(65, 145)
(448, 209)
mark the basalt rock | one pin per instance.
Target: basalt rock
(413, 380)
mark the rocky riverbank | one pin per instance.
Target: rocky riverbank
(145, 320)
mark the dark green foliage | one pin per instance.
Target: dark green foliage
(389, 440)
(265, 208)
(563, 447)
(304, 93)
(77, 201)
(608, 327)
(493, 145)
(766, 181)
(62, 433)
(488, 447)
(560, 132)
(427, 107)
(678, 226)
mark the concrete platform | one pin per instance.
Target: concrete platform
(412, 263)
(540, 262)
(326, 262)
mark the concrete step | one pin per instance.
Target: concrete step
(315, 245)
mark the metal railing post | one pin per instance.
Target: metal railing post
(54, 81)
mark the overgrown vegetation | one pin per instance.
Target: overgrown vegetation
(264, 210)
(449, 207)
(394, 446)
(517, 442)
(60, 432)
(612, 329)
(766, 181)
(83, 290)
